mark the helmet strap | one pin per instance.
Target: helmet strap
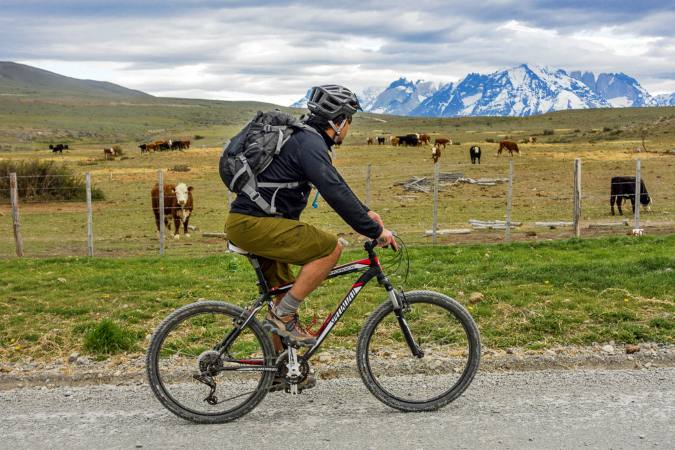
(337, 129)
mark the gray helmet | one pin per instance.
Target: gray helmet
(331, 101)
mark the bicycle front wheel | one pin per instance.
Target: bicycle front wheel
(446, 334)
(190, 377)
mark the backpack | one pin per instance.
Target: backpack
(252, 150)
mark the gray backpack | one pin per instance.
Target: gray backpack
(252, 150)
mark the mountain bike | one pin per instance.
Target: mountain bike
(212, 362)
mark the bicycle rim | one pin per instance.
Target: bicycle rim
(189, 336)
(444, 332)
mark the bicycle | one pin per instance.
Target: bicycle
(412, 341)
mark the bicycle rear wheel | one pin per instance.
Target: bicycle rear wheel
(181, 361)
(443, 330)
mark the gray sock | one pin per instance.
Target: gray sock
(287, 305)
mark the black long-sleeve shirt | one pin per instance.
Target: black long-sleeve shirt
(306, 157)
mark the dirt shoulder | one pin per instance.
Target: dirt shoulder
(339, 363)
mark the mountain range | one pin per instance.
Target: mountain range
(523, 90)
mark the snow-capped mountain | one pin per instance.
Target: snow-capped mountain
(523, 90)
(402, 96)
(618, 89)
(665, 99)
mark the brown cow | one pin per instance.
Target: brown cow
(510, 146)
(109, 153)
(425, 139)
(394, 141)
(532, 140)
(435, 153)
(371, 141)
(442, 141)
(178, 204)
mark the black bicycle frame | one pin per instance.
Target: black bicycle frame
(374, 270)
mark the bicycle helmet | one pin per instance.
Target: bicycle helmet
(331, 102)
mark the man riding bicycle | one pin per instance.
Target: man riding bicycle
(282, 240)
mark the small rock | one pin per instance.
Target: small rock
(631, 348)
(476, 297)
(510, 351)
(73, 357)
(549, 352)
(608, 349)
(325, 357)
(61, 280)
(82, 361)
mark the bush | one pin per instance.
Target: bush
(45, 180)
(180, 168)
(118, 150)
(456, 143)
(549, 132)
(108, 338)
(198, 137)
(606, 129)
(490, 140)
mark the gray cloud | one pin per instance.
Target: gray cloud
(276, 49)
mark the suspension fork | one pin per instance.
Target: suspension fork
(400, 306)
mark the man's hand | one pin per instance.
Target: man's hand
(387, 238)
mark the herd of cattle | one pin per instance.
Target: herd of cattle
(162, 146)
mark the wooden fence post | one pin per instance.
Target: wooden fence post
(577, 197)
(509, 195)
(14, 199)
(368, 169)
(90, 218)
(434, 225)
(637, 194)
(162, 231)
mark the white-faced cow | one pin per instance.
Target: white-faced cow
(474, 153)
(178, 205)
(624, 188)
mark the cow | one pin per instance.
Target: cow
(532, 140)
(424, 139)
(380, 140)
(178, 205)
(474, 153)
(510, 146)
(394, 141)
(109, 152)
(624, 188)
(442, 141)
(370, 141)
(435, 153)
(58, 148)
(408, 140)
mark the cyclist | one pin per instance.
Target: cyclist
(283, 240)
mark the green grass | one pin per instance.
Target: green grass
(537, 295)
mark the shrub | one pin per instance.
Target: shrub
(45, 180)
(456, 143)
(180, 168)
(108, 338)
(490, 140)
(549, 132)
(118, 150)
(198, 137)
(606, 129)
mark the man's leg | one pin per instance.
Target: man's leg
(314, 273)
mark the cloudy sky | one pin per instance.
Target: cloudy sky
(275, 50)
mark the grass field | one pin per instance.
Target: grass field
(536, 295)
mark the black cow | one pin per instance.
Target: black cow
(624, 188)
(474, 152)
(380, 140)
(408, 140)
(58, 148)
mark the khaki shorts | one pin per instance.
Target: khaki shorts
(278, 243)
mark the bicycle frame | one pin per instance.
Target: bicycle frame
(373, 270)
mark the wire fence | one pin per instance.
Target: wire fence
(472, 205)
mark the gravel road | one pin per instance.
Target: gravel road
(539, 409)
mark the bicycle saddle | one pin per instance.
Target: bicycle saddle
(234, 249)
